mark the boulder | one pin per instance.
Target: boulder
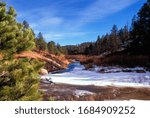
(43, 71)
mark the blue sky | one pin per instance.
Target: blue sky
(75, 21)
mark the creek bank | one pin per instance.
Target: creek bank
(59, 92)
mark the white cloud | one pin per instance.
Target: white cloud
(42, 18)
(102, 8)
(33, 25)
(52, 16)
(63, 35)
(50, 21)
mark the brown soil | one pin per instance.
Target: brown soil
(53, 62)
(60, 92)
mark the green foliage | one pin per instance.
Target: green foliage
(56, 49)
(51, 47)
(40, 42)
(61, 49)
(18, 77)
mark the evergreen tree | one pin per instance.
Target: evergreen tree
(105, 44)
(90, 50)
(121, 35)
(51, 47)
(97, 45)
(64, 50)
(61, 50)
(40, 42)
(114, 41)
(144, 26)
(124, 36)
(26, 24)
(140, 33)
(18, 77)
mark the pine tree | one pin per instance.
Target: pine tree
(140, 34)
(18, 77)
(40, 42)
(105, 44)
(124, 35)
(114, 40)
(97, 45)
(144, 26)
(51, 47)
(26, 24)
(61, 49)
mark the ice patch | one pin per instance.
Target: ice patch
(79, 93)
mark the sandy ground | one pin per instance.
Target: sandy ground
(60, 92)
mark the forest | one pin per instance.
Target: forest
(132, 39)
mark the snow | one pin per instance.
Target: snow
(110, 69)
(79, 93)
(76, 75)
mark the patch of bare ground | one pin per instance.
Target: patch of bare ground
(53, 62)
(64, 92)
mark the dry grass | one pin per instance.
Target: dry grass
(124, 60)
(111, 60)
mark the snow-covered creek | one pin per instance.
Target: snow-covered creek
(114, 76)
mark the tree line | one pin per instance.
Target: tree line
(131, 40)
(51, 46)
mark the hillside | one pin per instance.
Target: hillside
(52, 62)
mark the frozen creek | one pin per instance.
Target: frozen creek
(113, 76)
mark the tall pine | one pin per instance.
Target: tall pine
(40, 42)
(18, 77)
(140, 34)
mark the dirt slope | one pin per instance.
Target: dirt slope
(53, 62)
